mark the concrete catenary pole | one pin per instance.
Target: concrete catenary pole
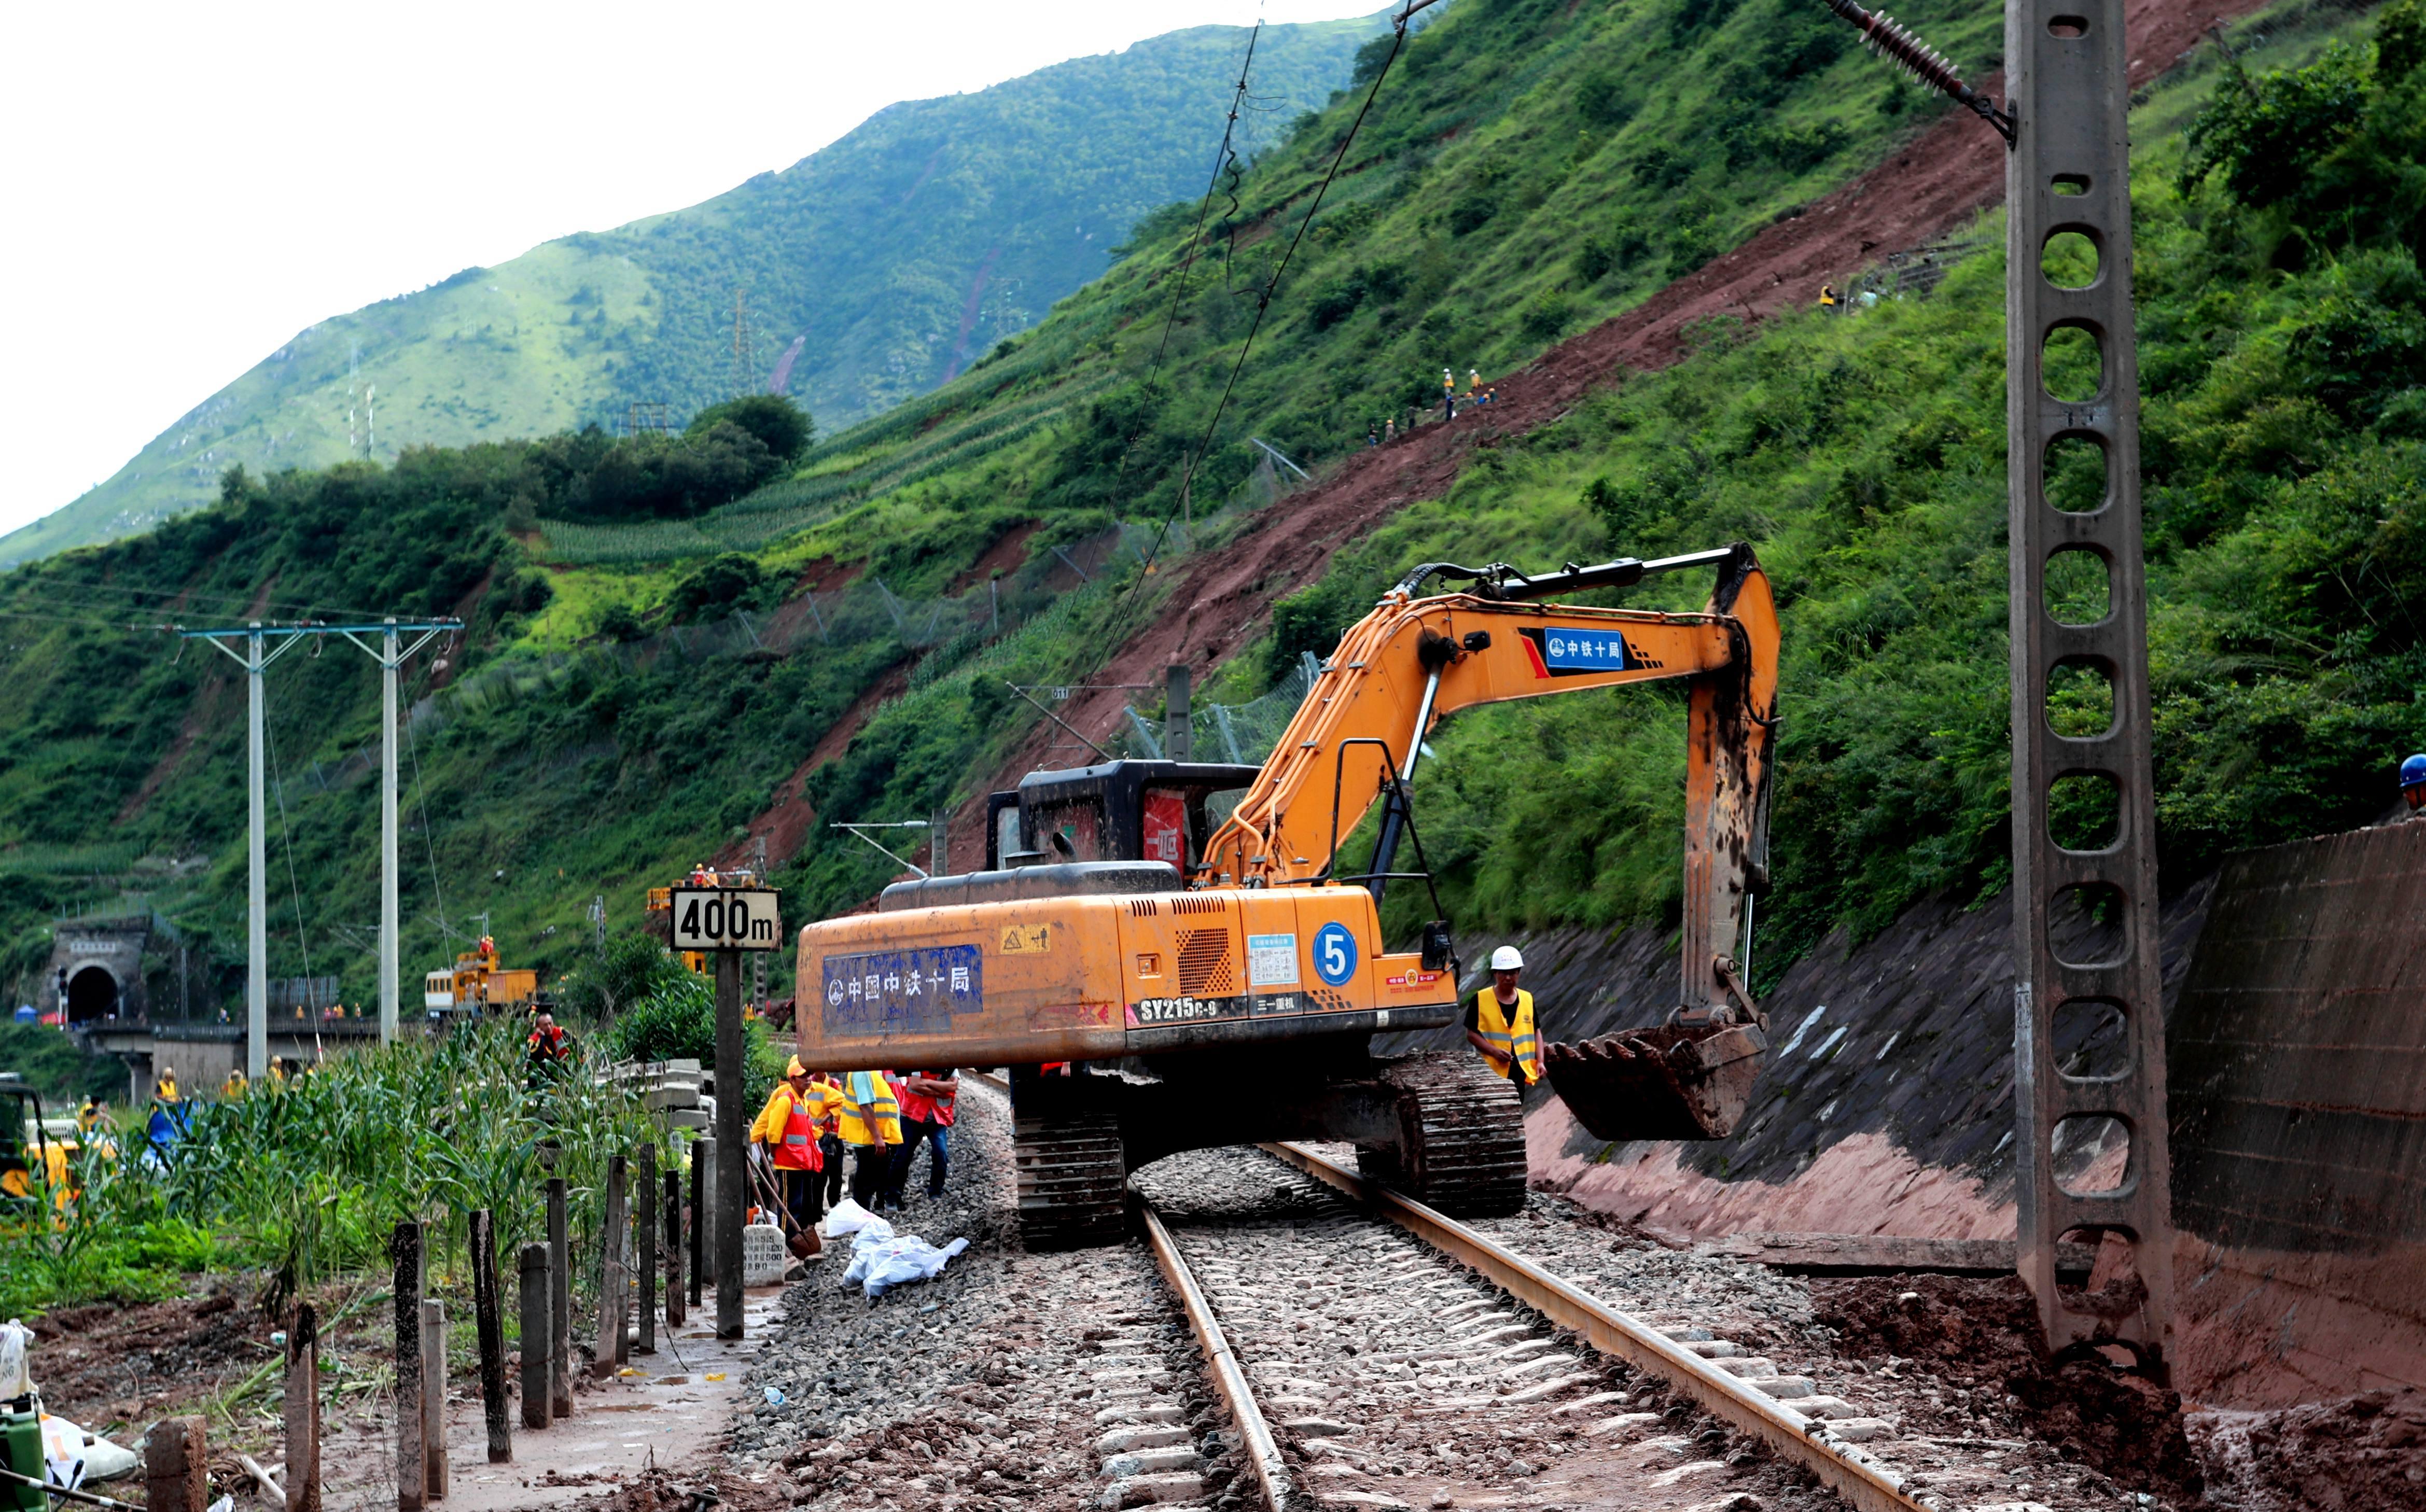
(2069, 178)
(256, 888)
(389, 661)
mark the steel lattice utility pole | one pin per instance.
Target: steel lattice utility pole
(390, 658)
(2069, 176)
(260, 645)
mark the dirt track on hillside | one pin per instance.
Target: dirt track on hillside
(1943, 176)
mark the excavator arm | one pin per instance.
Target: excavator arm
(1358, 738)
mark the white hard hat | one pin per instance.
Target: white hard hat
(1507, 958)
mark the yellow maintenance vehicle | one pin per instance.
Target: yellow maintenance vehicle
(478, 984)
(1158, 981)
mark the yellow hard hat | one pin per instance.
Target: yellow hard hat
(795, 1068)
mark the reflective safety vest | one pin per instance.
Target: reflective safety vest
(1509, 1037)
(825, 1100)
(869, 1097)
(789, 1124)
(937, 1109)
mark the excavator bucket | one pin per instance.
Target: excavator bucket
(1669, 1083)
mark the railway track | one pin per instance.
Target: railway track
(1371, 1355)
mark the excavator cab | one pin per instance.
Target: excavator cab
(1120, 810)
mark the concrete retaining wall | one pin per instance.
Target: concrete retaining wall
(2298, 1061)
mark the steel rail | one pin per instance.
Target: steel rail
(1850, 1473)
(1254, 1433)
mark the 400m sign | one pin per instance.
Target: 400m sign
(725, 917)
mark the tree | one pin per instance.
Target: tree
(780, 426)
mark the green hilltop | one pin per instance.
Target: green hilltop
(892, 258)
(670, 638)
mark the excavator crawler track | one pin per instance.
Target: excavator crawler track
(1461, 1138)
(1072, 1179)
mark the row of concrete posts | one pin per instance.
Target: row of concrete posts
(631, 1261)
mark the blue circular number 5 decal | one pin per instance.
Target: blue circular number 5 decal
(1334, 953)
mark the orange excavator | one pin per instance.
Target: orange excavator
(1195, 978)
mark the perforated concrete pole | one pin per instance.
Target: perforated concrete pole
(2069, 176)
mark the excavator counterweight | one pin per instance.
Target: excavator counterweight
(1163, 975)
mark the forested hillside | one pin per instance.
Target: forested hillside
(662, 655)
(866, 273)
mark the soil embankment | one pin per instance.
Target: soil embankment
(1947, 173)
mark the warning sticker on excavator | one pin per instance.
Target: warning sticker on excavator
(1566, 651)
(1272, 960)
(1020, 940)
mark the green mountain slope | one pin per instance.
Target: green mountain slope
(604, 723)
(891, 258)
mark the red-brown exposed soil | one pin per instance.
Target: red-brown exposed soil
(1007, 554)
(788, 820)
(1985, 1332)
(2362, 1454)
(824, 574)
(111, 1366)
(1951, 171)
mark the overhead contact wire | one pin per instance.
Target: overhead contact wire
(1272, 285)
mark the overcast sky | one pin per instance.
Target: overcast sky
(186, 187)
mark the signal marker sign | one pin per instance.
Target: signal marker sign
(726, 918)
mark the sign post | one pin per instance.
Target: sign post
(725, 922)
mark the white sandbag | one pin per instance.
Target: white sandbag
(16, 1345)
(880, 1267)
(847, 1217)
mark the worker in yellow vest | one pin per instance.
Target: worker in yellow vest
(787, 1126)
(1500, 1021)
(871, 1119)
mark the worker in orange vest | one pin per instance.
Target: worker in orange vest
(787, 1126)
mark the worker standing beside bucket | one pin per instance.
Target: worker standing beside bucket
(1500, 1021)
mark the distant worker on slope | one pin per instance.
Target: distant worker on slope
(1474, 383)
(1827, 297)
(2412, 785)
(1500, 1021)
(1449, 394)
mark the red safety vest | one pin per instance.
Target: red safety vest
(799, 1149)
(926, 1109)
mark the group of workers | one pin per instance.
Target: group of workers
(882, 1118)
